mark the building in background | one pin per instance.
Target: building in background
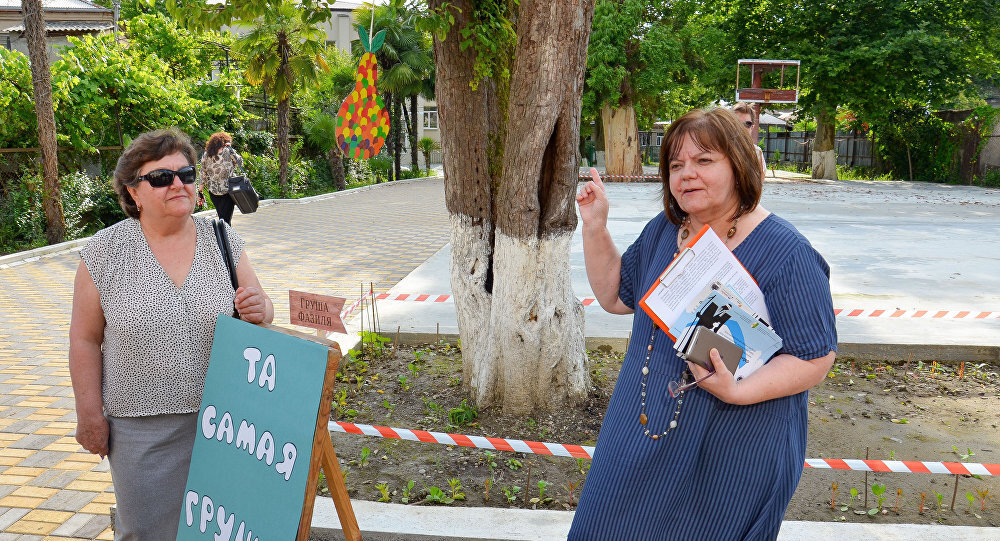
(63, 18)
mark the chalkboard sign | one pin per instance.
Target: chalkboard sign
(256, 428)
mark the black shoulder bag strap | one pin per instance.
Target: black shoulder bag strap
(222, 237)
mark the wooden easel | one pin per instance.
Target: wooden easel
(323, 454)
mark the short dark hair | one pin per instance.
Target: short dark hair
(715, 129)
(148, 147)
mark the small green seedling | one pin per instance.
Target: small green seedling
(878, 490)
(514, 464)
(436, 495)
(365, 453)
(940, 500)
(854, 496)
(383, 489)
(966, 455)
(972, 499)
(511, 493)
(580, 464)
(464, 414)
(456, 489)
(490, 458)
(408, 491)
(402, 382)
(413, 370)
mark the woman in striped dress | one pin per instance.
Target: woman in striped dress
(722, 460)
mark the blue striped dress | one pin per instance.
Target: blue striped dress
(725, 472)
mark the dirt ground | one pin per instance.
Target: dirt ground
(925, 412)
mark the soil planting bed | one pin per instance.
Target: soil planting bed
(934, 412)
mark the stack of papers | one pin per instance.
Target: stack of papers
(706, 287)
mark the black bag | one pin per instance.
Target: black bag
(243, 194)
(222, 237)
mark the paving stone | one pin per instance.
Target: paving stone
(34, 441)
(61, 390)
(11, 516)
(43, 459)
(73, 525)
(64, 402)
(94, 526)
(68, 500)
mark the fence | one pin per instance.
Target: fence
(796, 147)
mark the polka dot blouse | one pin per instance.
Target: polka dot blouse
(157, 337)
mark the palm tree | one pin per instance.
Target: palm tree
(405, 61)
(426, 146)
(41, 79)
(283, 51)
(322, 132)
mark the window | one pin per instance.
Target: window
(659, 139)
(430, 119)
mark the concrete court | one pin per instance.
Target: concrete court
(890, 245)
(50, 489)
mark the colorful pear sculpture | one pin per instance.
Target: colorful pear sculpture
(362, 121)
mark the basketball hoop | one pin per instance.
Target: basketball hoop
(757, 93)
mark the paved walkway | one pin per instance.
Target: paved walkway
(50, 489)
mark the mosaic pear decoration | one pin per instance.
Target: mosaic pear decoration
(362, 121)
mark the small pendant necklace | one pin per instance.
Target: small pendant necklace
(643, 419)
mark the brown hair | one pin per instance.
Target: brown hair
(148, 147)
(215, 143)
(719, 130)
(745, 108)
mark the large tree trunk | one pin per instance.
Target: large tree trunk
(521, 325)
(621, 141)
(824, 156)
(283, 129)
(41, 80)
(397, 137)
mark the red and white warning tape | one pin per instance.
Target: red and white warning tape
(349, 310)
(904, 466)
(586, 451)
(842, 312)
(623, 177)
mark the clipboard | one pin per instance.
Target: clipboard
(683, 283)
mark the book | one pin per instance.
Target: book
(720, 315)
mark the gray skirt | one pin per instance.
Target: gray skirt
(149, 458)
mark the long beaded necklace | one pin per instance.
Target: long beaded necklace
(643, 419)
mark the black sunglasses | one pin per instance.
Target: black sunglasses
(749, 123)
(165, 177)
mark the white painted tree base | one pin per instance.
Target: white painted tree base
(824, 164)
(522, 346)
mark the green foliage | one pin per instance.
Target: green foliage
(661, 58)
(426, 145)
(436, 495)
(263, 174)
(90, 205)
(491, 35)
(456, 489)
(17, 110)
(464, 414)
(408, 491)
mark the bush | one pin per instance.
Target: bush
(263, 174)
(89, 205)
(253, 142)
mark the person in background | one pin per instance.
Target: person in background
(720, 458)
(746, 113)
(217, 165)
(146, 298)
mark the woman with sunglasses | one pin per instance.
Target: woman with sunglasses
(719, 459)
(146, 297)
(748, 116)
(217, 165)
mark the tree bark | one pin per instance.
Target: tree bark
(621, 140)
(509, 186)
(824, 156)
(283, 129)
(413, 134)
(397, 138)
(336, 161)
(41, 80)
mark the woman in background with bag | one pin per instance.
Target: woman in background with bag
(217, 165)
(147, 294)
